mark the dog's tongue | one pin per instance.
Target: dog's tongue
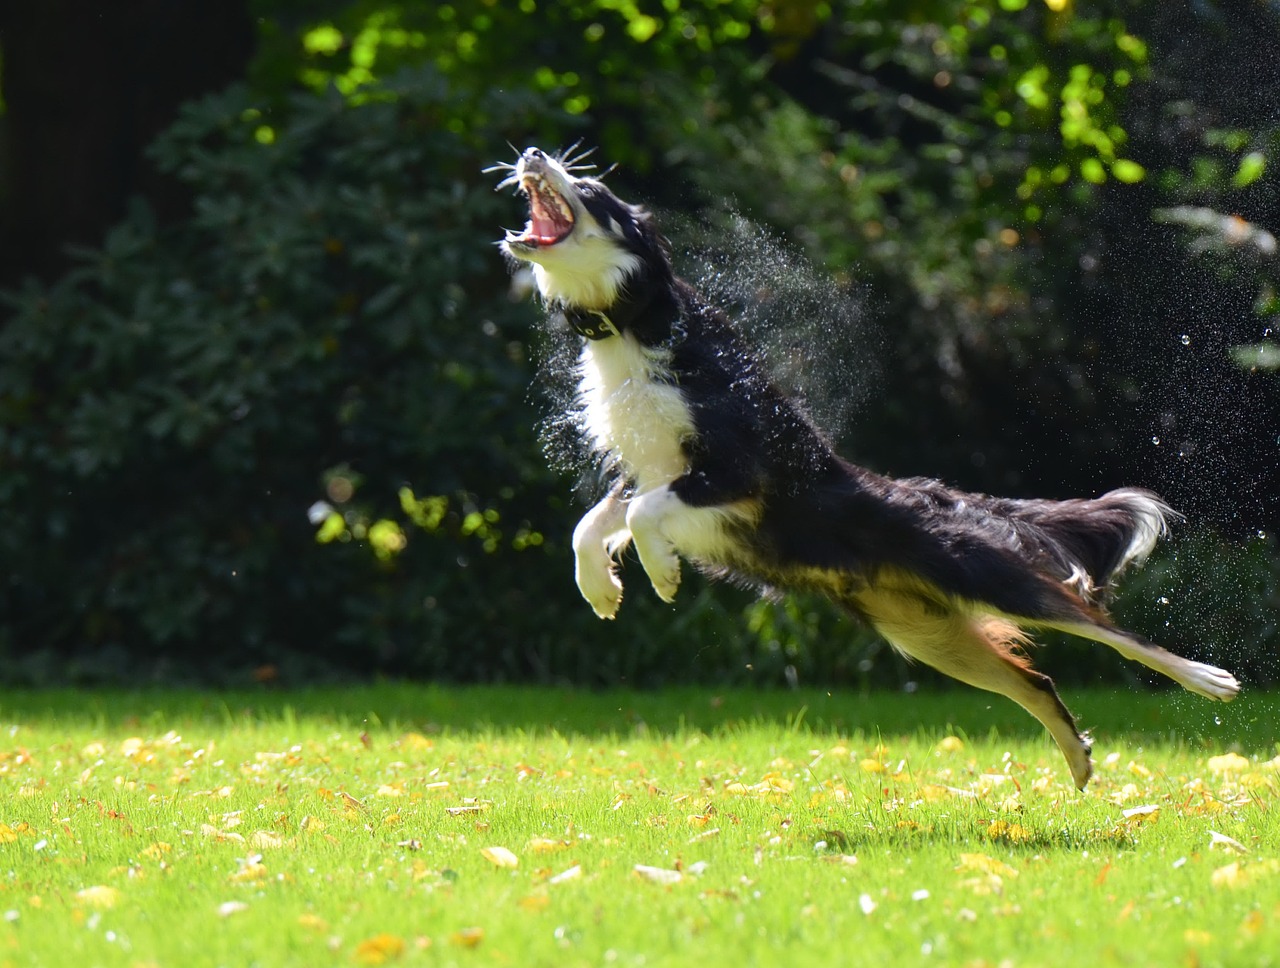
(545, 229)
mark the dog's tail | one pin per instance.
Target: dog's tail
(1088, 543)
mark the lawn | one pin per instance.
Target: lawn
(502, 826)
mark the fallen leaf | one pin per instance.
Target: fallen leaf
(254, 873)
(1009, 832)
(1223, 842)
(1142, 814)
(1243, 873)
(98, 896)
(534, 902)
(379, 949)
(950, 744)
(467, 937)
(156, 850)
(659, 875)
(571, 874)
(545, 845)
(982, 864)
(1228, 763)
(265, 840)
(500, 857)
(1228, 876)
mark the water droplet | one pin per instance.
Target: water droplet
(1217, 720)
(1186, 340)
(1163, 599)
(1262, 534)
(1156, 441)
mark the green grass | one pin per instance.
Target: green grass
(357, 827)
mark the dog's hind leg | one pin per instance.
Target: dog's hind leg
(1206, 680)
(981, 651)
(600, 535)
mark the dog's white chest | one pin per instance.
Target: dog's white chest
(633, 411)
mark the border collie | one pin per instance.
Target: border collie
(710, 462)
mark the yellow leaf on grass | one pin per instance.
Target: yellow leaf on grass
(7, 834)
(467, 937)
(156, 850)
(982, 864)
(98, 896)
(571, 874)
(379, 949)
(871, 766)
(659, 875)
(534, 902)
(500, 857)
(249, 874)
(313, 922)
(1243, 873)
(265, 840)
(950, 744)
(1223, 842)
(1228, 763)
(1010, 832)
(415, 741)
(545, 845)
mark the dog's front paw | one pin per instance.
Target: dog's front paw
(600, 587)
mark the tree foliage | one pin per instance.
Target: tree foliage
(296, 427)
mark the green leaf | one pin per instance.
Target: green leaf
(1129, 172)
(1251, 168)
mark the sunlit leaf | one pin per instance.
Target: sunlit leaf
(98, 896)
(982, 864)
(252, 873)
(1228, 763)
(379, 949)
(658, 875)
(467, 937)
(1219, 841)
(500, 857)
(546, 845)
(570, 874)
(1009, 832)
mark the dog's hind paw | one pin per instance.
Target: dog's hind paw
(1210, 681)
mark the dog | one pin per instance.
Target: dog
(711, 463)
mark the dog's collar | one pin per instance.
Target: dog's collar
(591, 323)
(597, 324)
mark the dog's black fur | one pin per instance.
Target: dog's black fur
(712, 463)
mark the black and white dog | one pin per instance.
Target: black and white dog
(712, 463)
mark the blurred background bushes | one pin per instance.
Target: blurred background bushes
(276, 413)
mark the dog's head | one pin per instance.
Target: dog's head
(583, 241)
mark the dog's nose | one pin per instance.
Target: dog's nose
(532, 153)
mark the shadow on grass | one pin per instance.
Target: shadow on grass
(1249, 724)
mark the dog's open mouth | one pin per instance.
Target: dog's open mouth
(550, 216)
